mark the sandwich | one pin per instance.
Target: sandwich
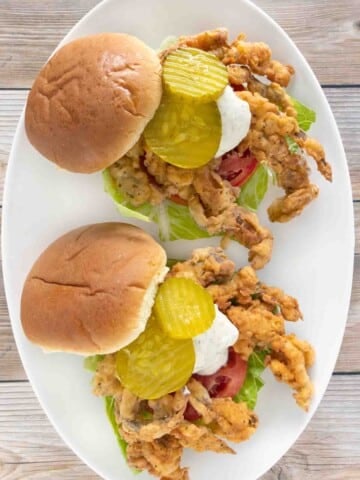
(190, 137)
(177, 348)
(92, 100)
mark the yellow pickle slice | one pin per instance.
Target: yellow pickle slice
(194, 74)
(154, 364)
(184, 134)
(183, 308)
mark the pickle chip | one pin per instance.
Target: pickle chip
(183, 308)
(194, 74)
(154, 364)
(184, 134)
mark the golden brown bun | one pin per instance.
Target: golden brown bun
(92, 290)
(92, 100)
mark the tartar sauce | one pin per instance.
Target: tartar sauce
(211, 347)
(235, 120)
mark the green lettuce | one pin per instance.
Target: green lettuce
(91, 363)
(172, 261)
(305, 116)
(175, 221)
(253, 191)
(181, 224)
(253, 382)
(292, 145)
(145, 212)
(109, 406)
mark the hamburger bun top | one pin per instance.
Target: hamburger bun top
(92, 290)
(92, 100)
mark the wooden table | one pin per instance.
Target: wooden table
(328, 33)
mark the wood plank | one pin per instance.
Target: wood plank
(30, 31)
(323, 31)
(344, 102)
(329, 448)
(349, 358)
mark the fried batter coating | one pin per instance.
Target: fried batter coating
(258, 57)
(215, 209)
(237, 291)
(160, 457)
(105, 382)
(213, 41)
(234, 421)
(285, 208)
(267, 118)
(239, 75)
(267, 141)
(168, 413)
(230, 420)
(274, 297)
(173, 180)
(274, 93)
(200, 439)
(313, 148)
(205, 266)
(133, 179)
(209, 40)
(289, 360)
(257, 327)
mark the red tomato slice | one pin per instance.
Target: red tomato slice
(177, 199)
(236, 168)
(191, 414)
(228, 380)
(237, 88)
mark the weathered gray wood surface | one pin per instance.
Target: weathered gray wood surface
(328, 33)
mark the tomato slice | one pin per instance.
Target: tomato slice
(177, 199)
(237, 88)
(190, 414)
(228, 380)
(236, 168)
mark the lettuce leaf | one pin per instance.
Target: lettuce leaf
(109, 406)
(253, 191)
(293, 147)
(181, 224)
(175, 221)
(172, 261)
(91, 363)
(145, 212)
(305, 116)
(253, 381)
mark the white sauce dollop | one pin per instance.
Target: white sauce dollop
(211, 347)
(235, 120)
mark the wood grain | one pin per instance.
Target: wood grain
(329, 448)
(345, 103)
(326, 32)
